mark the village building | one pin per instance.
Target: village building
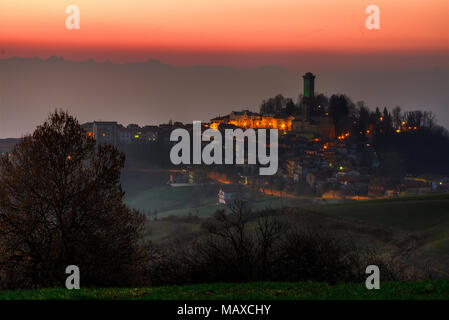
(177, 179)
(304, 122)
(229, 193)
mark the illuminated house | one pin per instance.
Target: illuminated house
(105, 132)
(229, 193)
(303, 122)
(247, 119)
(89, 128)
(110, 132)
(135, 134)
(179, 178)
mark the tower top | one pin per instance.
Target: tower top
(309, 85)
(309, 75)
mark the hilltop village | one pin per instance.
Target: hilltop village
(326, 149)
(329, 148)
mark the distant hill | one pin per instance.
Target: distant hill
(6, 145)
(152, 92)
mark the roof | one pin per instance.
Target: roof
(105, 122)
(220, 118)
(150, 128)
(245, 112)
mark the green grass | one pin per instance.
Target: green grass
(247, 291)
(408, 214)
(164, 198)
(426, 217)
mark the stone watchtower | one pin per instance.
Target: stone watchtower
(309, 85)
(309, 94)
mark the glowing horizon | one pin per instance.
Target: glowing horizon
(176, 26)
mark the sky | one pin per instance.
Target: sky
(405, 62)
(230, 32)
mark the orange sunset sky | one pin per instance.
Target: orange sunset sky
(185, 32)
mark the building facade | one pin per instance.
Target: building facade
(303, 122)
(110, 132)
(105, 132)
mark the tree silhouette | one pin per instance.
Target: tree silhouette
(338, 110)
(278, 105)
(61, 204)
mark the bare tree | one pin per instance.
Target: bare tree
(61, 204)
(269, 232)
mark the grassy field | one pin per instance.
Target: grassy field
(163, 198)
(247, 291)
(424, 220)
(179, 201)
(418, 224)
(408, 213)
(427, 217)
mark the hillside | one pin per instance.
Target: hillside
(418, 226)
(413, 229)
(196, 200)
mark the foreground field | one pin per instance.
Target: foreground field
(422, 221)
(412, 229)
(247, 291)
